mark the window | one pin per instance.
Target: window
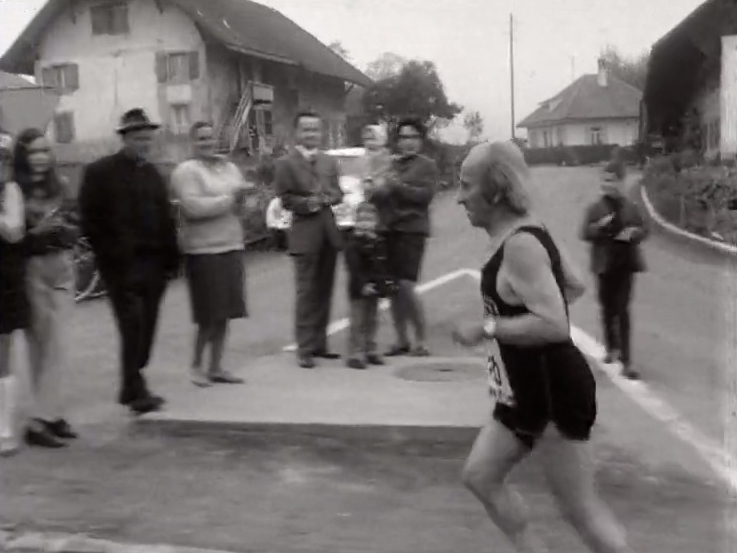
(63, 77)
(64, 127)
(177, 67)
(180, 120)
(110, 18)
(546, 139)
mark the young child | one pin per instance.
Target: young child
(368, 281)
(14, 306)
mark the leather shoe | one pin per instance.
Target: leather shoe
(324, 354)
(146, 405)
(41, 437)
(61, 429)
(306, 362)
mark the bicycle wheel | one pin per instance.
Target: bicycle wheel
(86, 277)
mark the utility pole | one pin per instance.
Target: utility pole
(511, 67)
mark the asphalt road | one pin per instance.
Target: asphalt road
(112, 482)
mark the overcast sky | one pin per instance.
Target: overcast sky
(555, 40)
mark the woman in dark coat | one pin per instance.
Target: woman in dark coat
(14, 308)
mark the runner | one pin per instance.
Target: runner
(536, 373)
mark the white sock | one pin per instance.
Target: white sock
(7, 406)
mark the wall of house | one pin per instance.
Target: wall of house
(707, 104)
(118, 72)
(622, 132)
(728, 97)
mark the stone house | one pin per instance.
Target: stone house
(596, 109)
(243, 66)
(690, 96)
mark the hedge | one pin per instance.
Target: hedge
(698, 198)
(575, 155)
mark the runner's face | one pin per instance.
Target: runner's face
(409, 140)
(472, 198)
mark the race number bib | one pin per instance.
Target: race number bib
(499, 385)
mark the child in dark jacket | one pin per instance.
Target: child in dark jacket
(368, 281)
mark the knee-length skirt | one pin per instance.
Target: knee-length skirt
(217, 288)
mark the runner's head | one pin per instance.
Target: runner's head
(374, 137)
(494, 184)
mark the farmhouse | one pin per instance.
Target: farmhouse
(690, 94)
(596, 109)
(243, 66)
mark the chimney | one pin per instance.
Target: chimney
(602, 77)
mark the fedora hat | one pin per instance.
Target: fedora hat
(135, 120)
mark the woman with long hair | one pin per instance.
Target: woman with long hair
(210, 190)
(14, 308)
(51, 232)
(544, 389)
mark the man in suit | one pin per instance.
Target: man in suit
(127, 217)
(615, 227)
(307, 183)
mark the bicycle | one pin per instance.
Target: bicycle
(87, 281)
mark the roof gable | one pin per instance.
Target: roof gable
(242, 25)
(584, 99)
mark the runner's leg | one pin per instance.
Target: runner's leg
(494, 454)
(570, 470)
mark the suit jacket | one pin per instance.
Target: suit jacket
(606, 252)
(126, 211)
(300, 182)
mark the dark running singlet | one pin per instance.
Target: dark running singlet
(536, 385)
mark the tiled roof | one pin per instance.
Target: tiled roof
(241, 25)
(585, 99)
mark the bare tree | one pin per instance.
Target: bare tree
(385, 66)
(632, 70)
(474, 125)
(337, 47)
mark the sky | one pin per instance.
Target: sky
(555, 41)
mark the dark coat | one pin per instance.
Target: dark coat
(298, 181)
(367, 264)
(608, 254)
(125, 211)
(405, 202)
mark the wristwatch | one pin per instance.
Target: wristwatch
(489, 328)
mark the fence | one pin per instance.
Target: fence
(575, 155)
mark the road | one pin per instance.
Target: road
(214, 490)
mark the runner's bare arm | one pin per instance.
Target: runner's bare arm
(574, 286)
(529, 272)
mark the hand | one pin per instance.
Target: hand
(604, 221)
(627, 234)
(369, 290)
(468, 335)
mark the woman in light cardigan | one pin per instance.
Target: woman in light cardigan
(14, 307)
(210, 190)
(51, 231)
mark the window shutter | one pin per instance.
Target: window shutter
(71, 79)
(161, 67)
(120, 19)
(194, 66)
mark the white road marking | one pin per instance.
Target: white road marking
(718, 458)
(337, 326)
(723, 247)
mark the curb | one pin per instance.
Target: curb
(37, 542)
(717, 246)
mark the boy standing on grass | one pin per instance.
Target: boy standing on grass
(368, 281)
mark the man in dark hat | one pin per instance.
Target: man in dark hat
(127, 217)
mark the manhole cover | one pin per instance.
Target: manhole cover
(442, 371)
